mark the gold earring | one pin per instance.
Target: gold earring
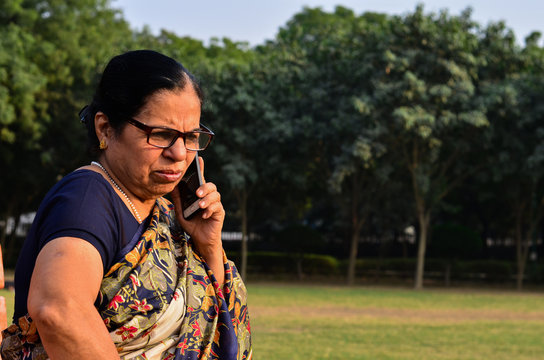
(103, 145)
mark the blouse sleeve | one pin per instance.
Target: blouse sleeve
(83, 208)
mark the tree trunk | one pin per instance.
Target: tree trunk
(300, 272)
(353, 256)
(522, 245)
(356, 224)
(243, 209)
(522, 250)
(528, 218)
(423, 218)
(521, 263)
(447, 274)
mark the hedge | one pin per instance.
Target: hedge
(284, 263)
(278, 263)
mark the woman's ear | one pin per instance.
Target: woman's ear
(102, 127)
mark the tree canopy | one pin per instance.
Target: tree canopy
(347, 125)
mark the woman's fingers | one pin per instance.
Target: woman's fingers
(213, 208)
(210, 200)
(206, 189)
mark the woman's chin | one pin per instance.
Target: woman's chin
(161, 190)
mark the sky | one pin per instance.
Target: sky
(256, 21)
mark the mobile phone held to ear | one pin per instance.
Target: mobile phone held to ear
(192, 179)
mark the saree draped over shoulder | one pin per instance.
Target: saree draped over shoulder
(161, 301)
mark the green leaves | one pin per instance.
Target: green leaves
(415, 118)
(50, 55)
(21, 82)
(342, 114)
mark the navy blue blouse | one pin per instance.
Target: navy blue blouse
(82, 205)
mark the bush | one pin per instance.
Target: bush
(313, 264)
(277, 263)
(484, 269)
(285, 263)
(269, 262)
(535, 272)
(405, 267)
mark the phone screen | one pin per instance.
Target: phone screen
(191, 180)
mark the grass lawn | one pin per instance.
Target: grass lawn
(326, 322)
(295, 321)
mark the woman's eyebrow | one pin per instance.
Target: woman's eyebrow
(169, 128)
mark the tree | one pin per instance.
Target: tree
(50, 54)
(323, 53)
(22, 122)
(237, 109)
(518, 166)
(426, 95)
(512, 84)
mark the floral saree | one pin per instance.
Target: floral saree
(161, 301)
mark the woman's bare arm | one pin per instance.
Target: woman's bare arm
(63, 289)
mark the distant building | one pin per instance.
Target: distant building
(26, 221)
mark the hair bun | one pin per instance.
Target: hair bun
(83, 113)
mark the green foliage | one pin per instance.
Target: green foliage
(491, 270)
(50, 55)
(314, 264)
(400, 267)
(471, 270)
(279, 263)
(355, 124)
(21, 84)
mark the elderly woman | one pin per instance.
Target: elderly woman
(111, 269)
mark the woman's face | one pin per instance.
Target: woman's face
(145, 171)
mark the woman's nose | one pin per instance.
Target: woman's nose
(177, 151)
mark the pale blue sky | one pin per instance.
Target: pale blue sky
(255, 21)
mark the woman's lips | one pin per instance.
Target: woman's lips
(169, 175)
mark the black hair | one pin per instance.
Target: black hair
(127, 83)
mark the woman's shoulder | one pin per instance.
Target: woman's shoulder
(82, 204)
(81, 191)
(83, 175)
(81, 181)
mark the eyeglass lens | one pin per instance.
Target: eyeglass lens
(194, 140)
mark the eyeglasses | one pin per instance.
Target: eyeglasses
(163, 137)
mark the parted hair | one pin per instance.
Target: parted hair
(127, 83)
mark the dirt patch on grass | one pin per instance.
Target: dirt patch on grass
(438, 315)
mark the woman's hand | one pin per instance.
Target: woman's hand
(205, 227)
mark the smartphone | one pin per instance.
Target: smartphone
(192, 179)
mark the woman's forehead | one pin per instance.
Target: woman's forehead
(172, 107)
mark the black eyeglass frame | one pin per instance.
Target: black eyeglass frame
(149, 129)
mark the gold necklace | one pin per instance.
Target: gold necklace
(120, 190)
